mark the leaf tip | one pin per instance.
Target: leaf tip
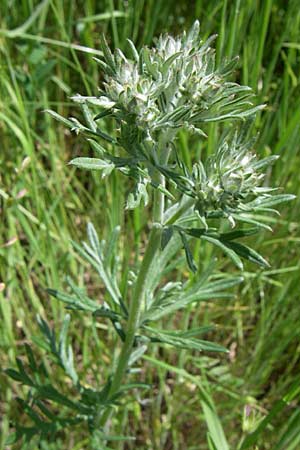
(52, 292)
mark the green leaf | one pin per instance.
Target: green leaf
(60, 118)
(179, 340)
(23, 432)
(248, 253)
(265, 162)
(66, 352)
(200, 291)
(194, 232)
(94, 257)
(108, 56)
(228, 251)
(15, 375)
(167, 64)
(173, 116)
(136, 354)
(236, 234)
(97, 147)
(80, 303)
(137, 195)
(94, 240)
(31, 358)
(50, 393)
(102, 101)
(188, 253)
(134, 51)
(105, 312)
(167, 234)
(266, 202)
(251, 220)
(111, 248)
(26, 379)
(228, 66)
(152, 70)
(193, 34)
(210, 442)
(102, 114)
(119, 329)
(214, 425)
(93, 164)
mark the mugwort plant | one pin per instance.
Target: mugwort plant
(150, 97)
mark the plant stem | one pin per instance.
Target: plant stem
(138, 299)
(135, 310)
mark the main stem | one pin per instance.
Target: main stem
(135, 307)
(138, 298)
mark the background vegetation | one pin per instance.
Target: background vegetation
(46, 56)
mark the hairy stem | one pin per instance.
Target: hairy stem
(138, 299)
(135, 307)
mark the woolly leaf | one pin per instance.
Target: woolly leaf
(188, 253)
(93, 164)
(179, 340)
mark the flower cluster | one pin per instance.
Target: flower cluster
(172, 85)
(151, 96)
(231, 179)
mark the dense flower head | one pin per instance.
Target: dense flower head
(231, 179)
(153, 94)
(172, 85)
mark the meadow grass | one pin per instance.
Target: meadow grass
(46, 55)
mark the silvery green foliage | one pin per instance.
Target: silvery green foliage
(231, 179)
(169, 86)
(151, 96)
